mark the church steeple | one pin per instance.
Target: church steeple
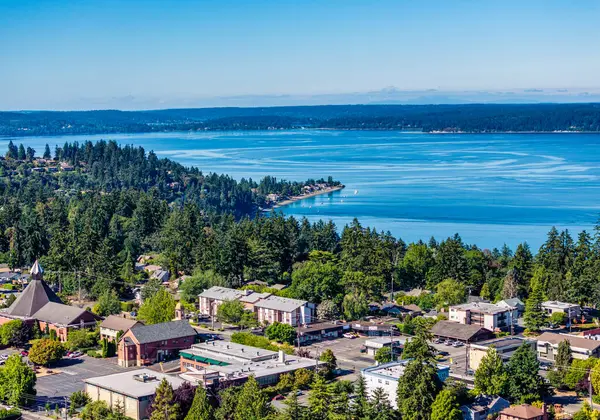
(37, 272)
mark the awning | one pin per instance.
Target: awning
(202, 359)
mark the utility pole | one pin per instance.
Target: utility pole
(590, 388)
(467, 359)
(66, 409)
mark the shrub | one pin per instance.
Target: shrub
(45, 351)
(94, 354)
(283, 333)
(127, 306)
(11, 413)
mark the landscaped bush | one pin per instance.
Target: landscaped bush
(94, 354)
(9, 414)
(127, 306)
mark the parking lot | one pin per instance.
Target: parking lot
(54, 388)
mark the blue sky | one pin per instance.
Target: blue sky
(77, 54)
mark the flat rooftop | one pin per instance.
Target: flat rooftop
(394, 370)
(383, 341)
(226, 351)
(135, 383)
(224, 293)
(501, 343)
(487, 308)
(559, 305)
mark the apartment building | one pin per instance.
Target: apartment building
(487, 315)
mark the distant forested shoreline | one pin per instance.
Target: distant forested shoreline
(477, 118)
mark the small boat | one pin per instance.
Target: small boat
(355, 192)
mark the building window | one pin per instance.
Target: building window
(379, 380)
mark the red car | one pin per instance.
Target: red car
(24, 353)
(278, 397)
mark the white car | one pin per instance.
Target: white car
(349, 335)
(3, 356)
(75, 354)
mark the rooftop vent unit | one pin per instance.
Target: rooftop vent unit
(144, 377)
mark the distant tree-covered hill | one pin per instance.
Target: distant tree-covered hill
(480, 118)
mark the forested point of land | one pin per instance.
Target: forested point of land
(476, 118)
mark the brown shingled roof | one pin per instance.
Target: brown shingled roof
(523, 411)
(579, 342)
(118, 323)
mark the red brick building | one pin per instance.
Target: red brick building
(143, 345)
(38, 304)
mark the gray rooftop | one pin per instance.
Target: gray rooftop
(127, 384)
(164, 331)
(34, 297)
(280, 303)
(224, 293)
(487, 308)
(118, 323)
(254, 297)
(559, 305)
(61, 314)
(226, 350)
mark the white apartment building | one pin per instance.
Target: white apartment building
(570, 309)
(386, 377)
(210, 299)
(269, 308)
(284, 310)
(487, 315)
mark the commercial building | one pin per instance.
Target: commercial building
(132, 390)
(376, 343)
(321, 331)
(487, 315)
(504, 346)
(448, 330)
(581, 348)
(38, 303)
(386, 376)
(269, 308)
(571, 310)
(143, 345)
(223, 362)
(112, 325)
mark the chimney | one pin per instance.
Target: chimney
(281, 356)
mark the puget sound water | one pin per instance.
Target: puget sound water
(491, 189)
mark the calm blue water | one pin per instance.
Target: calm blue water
(491, 189)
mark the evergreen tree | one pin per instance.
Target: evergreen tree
(526, 385)
(535, 317)
(318, 399)
(445, 407)
(293, 410)
(490, 376)
(201, 408)
(21, 155)
(47, 153)
(13, 151)
(379, 406)
(252, 403)
(360, 408)
(164, 406)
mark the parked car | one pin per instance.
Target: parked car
(448, 342)
(75, 355)
(350, 336)
(438, 341)
(3, 356)
(457, 344)
(278, 397)
(24, 353)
